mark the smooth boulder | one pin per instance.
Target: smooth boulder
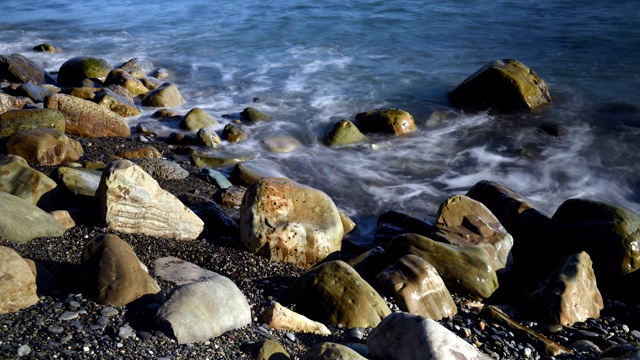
(166, 95)
(197, 119)
(387, 120)
(76, 69)
(344, 132)
(44, 147)
(20, 69)
(21, 221)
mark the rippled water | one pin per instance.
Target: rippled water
(312, 64)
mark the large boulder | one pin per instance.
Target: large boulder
(167, 95)
(17, 68)
(76, 69)
(112, 274)
(131, 201)
(44, 147)
(17, 282)
(14, 121)
(288, 222)
(504, 84)
(22, 221)
(19, 179)
(333, 293)
(344, 132)
(86, 118)
(394, 121)
(202, 310)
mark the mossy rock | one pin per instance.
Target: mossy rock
(387, 120)
(197, 119)
(76, 69)
(344, 132)
(14, 121)
(46, 48)
(254, 115)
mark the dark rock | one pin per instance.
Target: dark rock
(76, 69)
(17, 68)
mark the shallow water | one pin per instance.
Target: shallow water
(312, 64)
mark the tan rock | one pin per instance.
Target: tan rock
(197, 119)
(19, 179)
(330, 351)
(280, 318)
(17, 282)
(167, 95)
(8, 102)
(281, 144)
(64, 218)
(44, 147)
(394, 121)
(117, 103)
(145, 152)
(120, 77)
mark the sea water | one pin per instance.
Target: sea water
(313, 63)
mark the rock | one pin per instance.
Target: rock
(197, 119)
(76, 69)
(202, 310)
(466, 270)
(406, 336)
(151, 83)
(280, 318)
(85, 92)
(248, 172)
(417, 288)
(231, 196)
(572, 295)
(167, 95)
(162, 169)
(331, 351)
(64, 218)
(112, 273)
(219, 224)
(22, 221)
(8, 102)
(85, 118)
(333, 293)
(347, 223)
(45, 281)
(630, 351)
(504, 84)
(288, 222)
(136, 66)
(370, 263)
(44, 147)
(180, 272)
(122, 78)
(131, 201)
(46, 48)
(14, 121)
(254, 115)
(467, 222)
(33, 91)
(216, 161)
(145, 152)
(215, 177)
(78, 184)
(19, 69)
(208, 136)
(117, 103)
(394, 223)
(17, 282)
(394, 121)
(268, 350)
(19, 179)
(234, 133)
(281, 144)
(343, 133)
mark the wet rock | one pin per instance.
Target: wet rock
(17, 282)
(288, 222)
(8, 102)
(117, 103)
(17, 68)
(234, 133)
(331, 351)
(22, 221)
(197, 119)
(630, 351)
(504, 84)
(268, 350)
(281, 144)
(248, 172)
(112, 273)
(14, 121)
(394, 121)
(333, 293)
(167, 95)
(19, 179)
(33, 91)
(162, 169)
(406, 336)
(46, 48)
(136, 66)
(215, 177)
(253, 115)
(122, 78)
(216, 161)
(202, 310)
(131, 201)
(179, 272)
(44, 147)
(145, 152)
(466, 270)
(86, 118)
(76, 69)
(417, 288)
(280, 318)
(347, 223)
(343, 133)
(208, 136)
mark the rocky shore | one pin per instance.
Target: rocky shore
(119, 243)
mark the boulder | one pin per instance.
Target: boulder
(167, 95)
(122, 78)
(112, 273)
(281, 144)
(331, 351)
(234, 133)
(629, 351)
(208, 136)
(86, 118)
(404, 336)
(466, 270)
(17, 68)
(343, 133)
(417, 288)
(333, 293)
(33, 91)
(79, 185)
(8, 102)
(131, 201)
(117, 103)
(280, 318)
(76, 69)
(44, 147)
(14, 121)
(202, 310)
(19, 179)
(393, 223)
(197, 119)
(254, 115)
(179, 272)
(289, 222)
(162, 169)
(22, 221)
(145, 152)
(503, 84)
(393, 121)
(17, 282)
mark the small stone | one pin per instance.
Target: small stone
(635, 334)
(102, 321)
(24, 350)
(290, 336)
(55, 329)
(68, 315)
(356, 333)
(145, 335)
(125, 332)
(109, 311)
(74, 304)
(65, 339)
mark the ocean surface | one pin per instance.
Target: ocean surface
(313, 63)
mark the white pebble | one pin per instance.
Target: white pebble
(24, 350)
(85, 349)
(526, 352)
(290, 336)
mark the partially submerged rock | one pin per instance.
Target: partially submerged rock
(167, 95)
(20, 69)
(394, 121)
(343, 133)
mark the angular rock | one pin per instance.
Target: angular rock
(417, 288)
(167, 95)
(44, 147)
(76, 69)
(22, 221)
(8, 102)
(231, 196)
(122, 78)
(504, 84)
(202, 310)
(331, 351)
(347, 223)
(253, 115)
(215, 177)
(14, 121)
(131, 201)
(248, 172)
(280, 318)
(343, 133)
(404, 336)
(234, 133)
(19, 179)
(117, 103)
(145, 152)
(333, 293)
(197, 119)
(370, 263)
(180, 272)
(466, 270)
(17, 68)
(112, 273)
(162, 169)
(79, 184)
(394, 121)
(288, 222)
(17, 282)
(208, 136)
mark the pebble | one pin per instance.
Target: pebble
(356, 333)
(74, 304)
(109, 311)
(55, 329)
(68, 315)
(24, 350)
(125, 332)
(290, 336)
(102, 321)
(144, 335)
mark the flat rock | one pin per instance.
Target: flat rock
(21, 221)
(179, 272)
(280, 318)
(145, 152)
(33, 91)
(17, 282)
(19, 179)
(331, 351)
(78, 182)
(44, 147)
(14, 121)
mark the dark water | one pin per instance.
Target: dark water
(313, 64)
